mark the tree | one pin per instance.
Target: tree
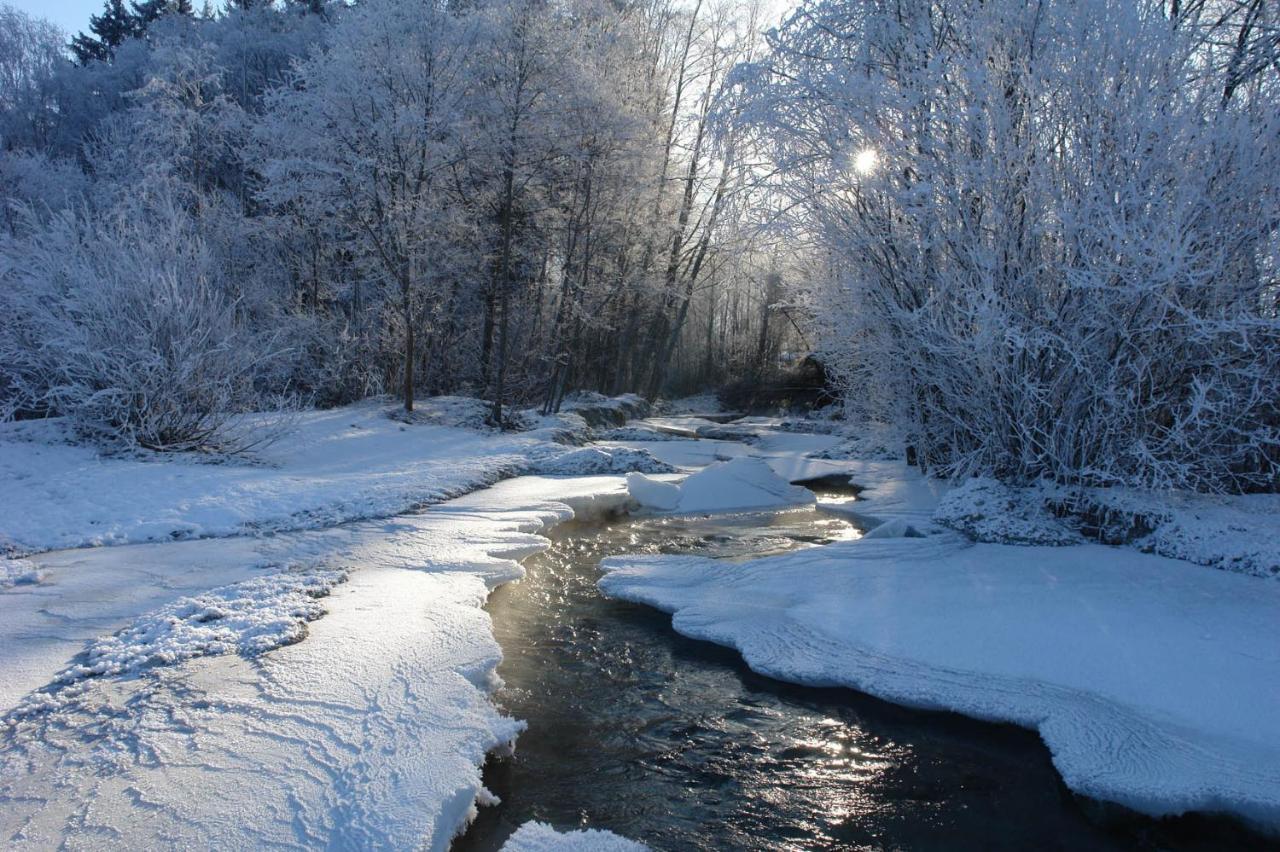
(1024, 206)
(367, 138)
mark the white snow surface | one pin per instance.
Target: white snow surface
(736, 485)
(1154, 682)
(653, 493)
(16, 572)
(987, 510)
(588, 461)
(540, 837)
(368, 733)
(335, 466)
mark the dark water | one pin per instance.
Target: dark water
(676, 743)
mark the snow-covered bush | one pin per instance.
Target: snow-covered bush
(987, 510)
(1049, 233)
(118, 320)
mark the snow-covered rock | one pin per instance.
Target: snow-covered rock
(653, 493)
(1154, 682)
(540, 837)
(731, 486)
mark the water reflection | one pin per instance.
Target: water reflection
(676, 743)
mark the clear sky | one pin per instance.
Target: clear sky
(71, 15)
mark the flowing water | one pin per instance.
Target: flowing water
(676, 743)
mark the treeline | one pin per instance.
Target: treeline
(1047, 233)
(209, 212)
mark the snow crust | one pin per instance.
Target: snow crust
(1154, 682)
(540, 837)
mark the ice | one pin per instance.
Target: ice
(540, 837)
(1155, 683)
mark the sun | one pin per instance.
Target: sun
(865, 161)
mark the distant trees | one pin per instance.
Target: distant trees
(1047, 232)
(509, 199)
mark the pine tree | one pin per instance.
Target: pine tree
(110, 30)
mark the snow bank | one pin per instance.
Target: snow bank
(1236, 533)
(1232, 532)
(370, 733)
(336, 466)
(736, 485)
(540, 837)
(987, 510)
(592, 461)
(640, 433)
(1154, 683)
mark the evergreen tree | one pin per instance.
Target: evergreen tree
(110, 30)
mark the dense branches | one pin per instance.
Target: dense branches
(1063, 262)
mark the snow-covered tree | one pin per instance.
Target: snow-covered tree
(1049, 236)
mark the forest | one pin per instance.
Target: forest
(1038, 239)
(611, 425)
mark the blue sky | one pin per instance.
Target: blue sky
(71, 15)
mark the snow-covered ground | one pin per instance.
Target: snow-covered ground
(332, 467)
(369, 732)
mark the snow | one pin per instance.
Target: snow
(540, 837)
(1154, 682)
(703, 403)
(736, 485)
(589, 461)
(368, 733)
(336, 466)
(249, 617)
(1237, 532)
(987, 510)
(1232, 532)
(16, 572)
(640, 433)
(686, 454)
(653, 493)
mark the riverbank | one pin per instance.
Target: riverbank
(303, 684)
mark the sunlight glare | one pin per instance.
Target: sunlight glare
(866, 161)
